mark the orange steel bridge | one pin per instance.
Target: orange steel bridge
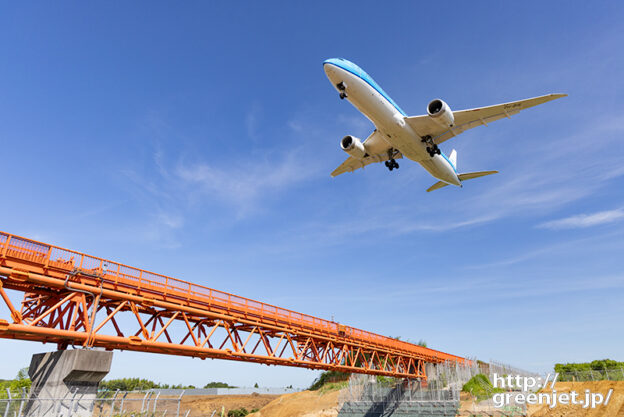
(70, 298)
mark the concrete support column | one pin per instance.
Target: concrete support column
(65, 383)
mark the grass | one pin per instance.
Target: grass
(328, 377)
(333, 386)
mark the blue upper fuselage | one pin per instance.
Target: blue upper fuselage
(359, 72)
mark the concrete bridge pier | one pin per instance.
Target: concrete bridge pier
(65, 382)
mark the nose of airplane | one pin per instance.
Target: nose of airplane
(330, 70)
(334, 73)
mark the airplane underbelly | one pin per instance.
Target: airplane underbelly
(439, 168)
(385, 116)
(387, 119)
(369, 102)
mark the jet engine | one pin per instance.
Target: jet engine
(353, 146)
(441, 113)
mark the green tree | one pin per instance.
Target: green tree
(21, 381)
(16, 385)
(137, 384)
(215, 384)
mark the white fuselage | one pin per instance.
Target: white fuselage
(389, 121)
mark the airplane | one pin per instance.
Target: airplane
(398, 135)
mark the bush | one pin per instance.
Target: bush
(480, 387)
(238, 412)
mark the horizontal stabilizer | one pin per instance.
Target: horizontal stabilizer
(471, 175)
(462, 177)
(437, 186)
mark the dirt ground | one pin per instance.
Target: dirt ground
(315, 404)
(615, 408)
(199, 405)
(302, 404)
(202, 405)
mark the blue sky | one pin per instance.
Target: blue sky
(196, 140)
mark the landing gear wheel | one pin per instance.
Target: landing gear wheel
(433, 150)
(392, 164)
(342, 87)
(432, 147)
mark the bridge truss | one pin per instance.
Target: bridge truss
(73, 299)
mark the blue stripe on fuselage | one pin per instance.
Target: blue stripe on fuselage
(449, 161)
(359, 72)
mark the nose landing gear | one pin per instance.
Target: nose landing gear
(342, 87)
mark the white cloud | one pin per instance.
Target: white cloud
(170, 220)
(585, 220)
(244, 184)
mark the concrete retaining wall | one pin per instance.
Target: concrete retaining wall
(404, 409)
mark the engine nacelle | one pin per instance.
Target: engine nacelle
(353, 146)
(441, 113)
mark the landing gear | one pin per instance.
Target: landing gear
(342, 87)
(432, 148)
(433, 151)
(392, 164)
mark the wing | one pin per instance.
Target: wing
(351, 163)
(467, 119)
(377, 149)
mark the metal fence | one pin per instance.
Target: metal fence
(592, 375)
(146, 404)
(149, 404)
(368, 395)
(14, 404)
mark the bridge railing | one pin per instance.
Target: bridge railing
(137, 281)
